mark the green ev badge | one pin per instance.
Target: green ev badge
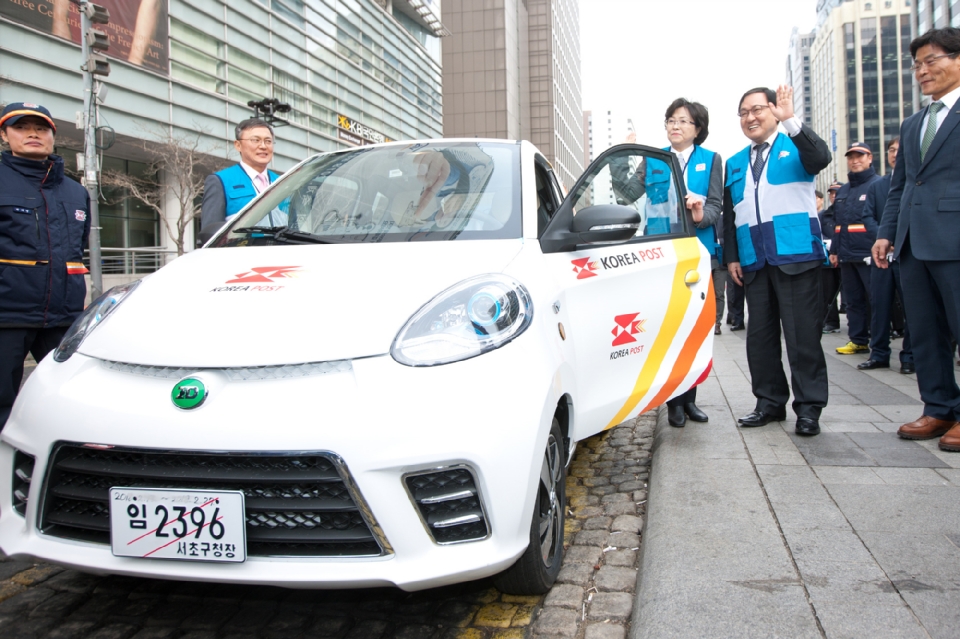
(188, 393)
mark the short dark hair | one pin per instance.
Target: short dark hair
(770, 93)
(947, 39)
(699, 113)
(819, 194)
(895, 140)
(250, 123)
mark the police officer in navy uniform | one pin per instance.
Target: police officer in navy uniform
(853, 238)
(226, 192)
(44, 226)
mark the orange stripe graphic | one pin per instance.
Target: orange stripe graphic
(687, 354)
(856, 228)
(688, 258)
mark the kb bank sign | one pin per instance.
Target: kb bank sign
(353, 132)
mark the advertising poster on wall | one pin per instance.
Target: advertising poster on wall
(137, 28)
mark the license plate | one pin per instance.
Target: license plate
(191, 525)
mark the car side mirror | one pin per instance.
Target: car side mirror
(606, 224)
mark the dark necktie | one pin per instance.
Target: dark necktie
(931, 130)
(758, 162)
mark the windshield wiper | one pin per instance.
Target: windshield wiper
(291, 234)
(266, 230)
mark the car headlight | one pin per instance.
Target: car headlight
(90, 318)
(471, 318)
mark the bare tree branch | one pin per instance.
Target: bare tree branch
(180, 162)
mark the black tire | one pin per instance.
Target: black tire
(537, 568)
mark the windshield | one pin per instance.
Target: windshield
(398, 193)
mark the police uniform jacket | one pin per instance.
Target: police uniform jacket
(44, 227)
(854, 233)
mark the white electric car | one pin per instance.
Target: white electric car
(375, 374)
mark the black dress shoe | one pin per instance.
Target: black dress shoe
(717, 331)
(737, 327)
(871, 364)
(760, 418)
(896, 334)
(907, 368)
(676, 416)
(807, 426)
(695, 413)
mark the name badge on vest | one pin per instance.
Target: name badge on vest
(700, 167)
(863, 198)
(783, 154)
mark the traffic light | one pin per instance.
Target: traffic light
(97, 41)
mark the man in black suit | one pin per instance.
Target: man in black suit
(773, 245)
(921, 224)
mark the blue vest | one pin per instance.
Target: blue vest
(238, 188)
(697, 174)
(776, 220)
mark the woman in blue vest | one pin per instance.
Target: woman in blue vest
(687, 125)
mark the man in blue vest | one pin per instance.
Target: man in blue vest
(226, 192)
(773, 246)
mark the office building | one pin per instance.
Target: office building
(861, 83)
(511, 69)
(352, 71)
(798, 74)
(936, 14)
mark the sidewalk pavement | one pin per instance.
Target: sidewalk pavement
(760, 533)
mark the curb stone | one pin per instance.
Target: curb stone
(607, 490)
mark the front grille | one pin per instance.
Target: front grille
(449, 503)
(296, 505)
(22, 475)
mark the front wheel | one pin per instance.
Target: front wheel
(537, 568)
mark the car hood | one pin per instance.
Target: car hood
(286, 304)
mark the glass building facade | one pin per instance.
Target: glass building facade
(341, 65)
(861, 81)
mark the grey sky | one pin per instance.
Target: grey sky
(637, 56)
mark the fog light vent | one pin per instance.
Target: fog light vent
(449, 504)
(22, 474)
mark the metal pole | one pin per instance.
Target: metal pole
(90, 177)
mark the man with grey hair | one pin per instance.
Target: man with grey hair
(226, 192)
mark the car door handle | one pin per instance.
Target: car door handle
(691, 278)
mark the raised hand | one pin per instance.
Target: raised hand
(783, 109)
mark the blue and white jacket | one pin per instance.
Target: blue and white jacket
(775, 220)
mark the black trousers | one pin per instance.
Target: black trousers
(690, 397)
(15, 343)
(931, 299)
(734, 302)
(830, 281)
(856, 295)
(791, 306)
(884, 283)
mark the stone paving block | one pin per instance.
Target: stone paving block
(620, 508)
(597, 523)
(10, 568)
(624, 539)
(25, 601)
(620, 558)
(616, 579)
(847, 475)
(583, 555)
(592, 538)
(889, 450)
(832, 449)
(610, 605)
(849, 582)
(368, 629)
(564, 596)
(627, 523)
(911, 477)
(575, 573)
(877, 622)
(556, 621)
(604, 631)
(826, 545)
(156, 633)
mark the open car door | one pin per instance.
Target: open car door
(636, 300)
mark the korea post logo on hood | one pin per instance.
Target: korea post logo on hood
(260, 279)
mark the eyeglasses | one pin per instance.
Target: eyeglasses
(918, 66)
(259, 141)
(672, 123)
(756, 111)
